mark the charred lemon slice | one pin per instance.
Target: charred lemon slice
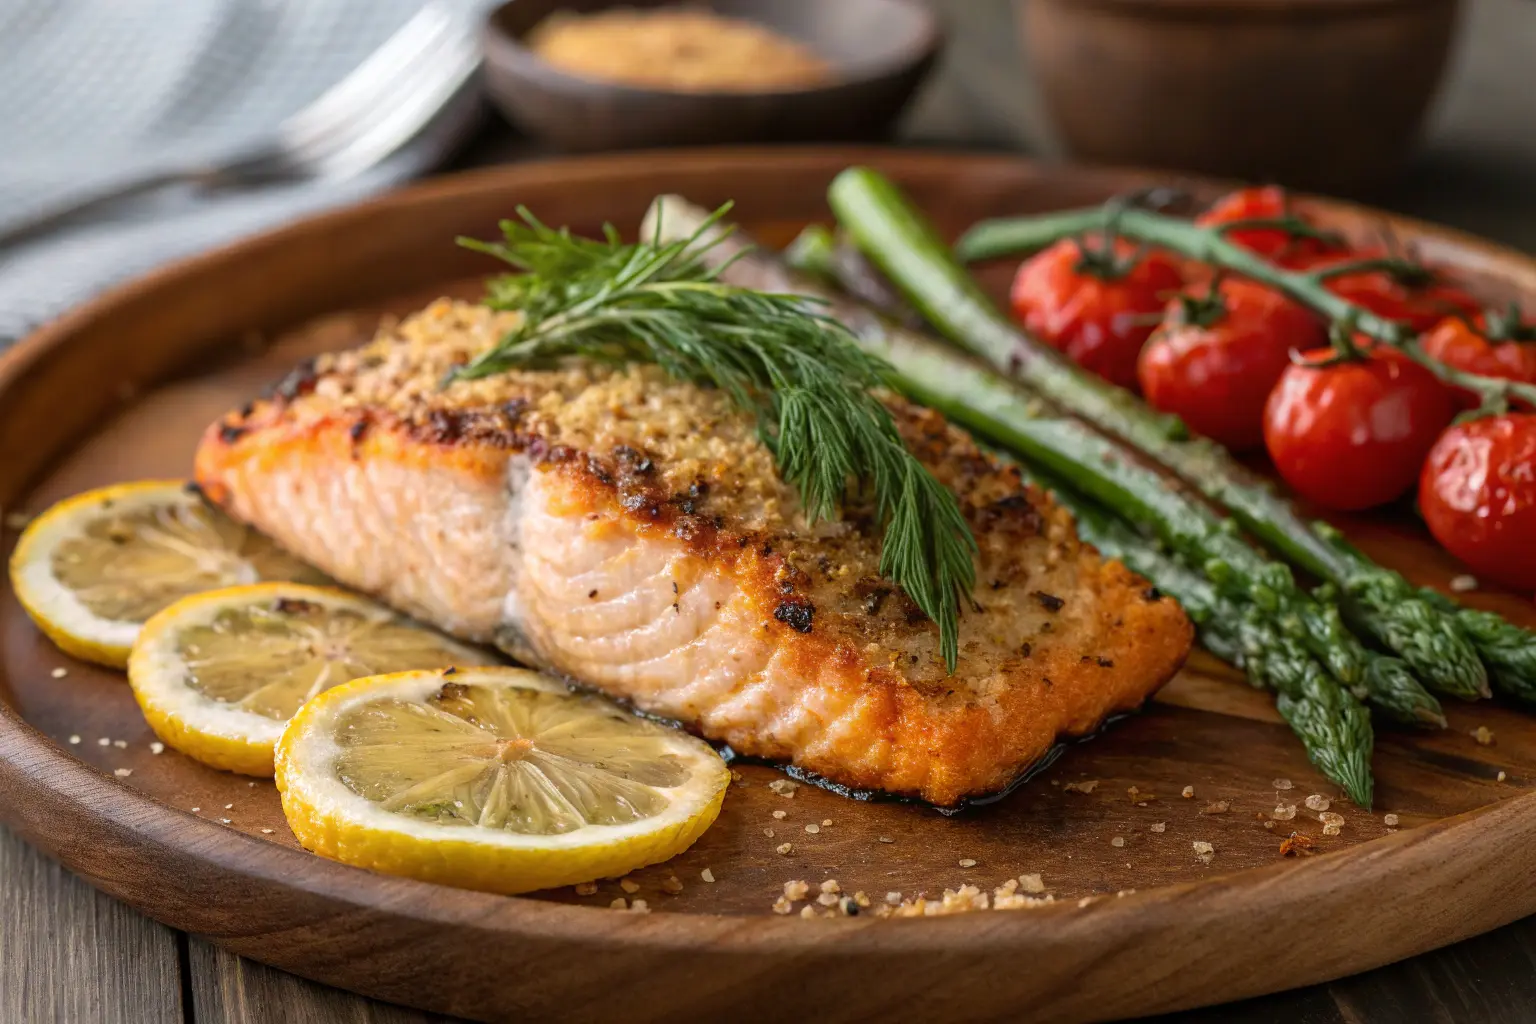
(491, 778)
(219, 674)
(92, 569)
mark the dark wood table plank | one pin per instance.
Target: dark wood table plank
(228, 989)
(69, 953)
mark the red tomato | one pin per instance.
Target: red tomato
(1351, 435)
(1421, 304)
(1266, 203)
(1213, 362)
(1478, 493)
(1098, 310)
(1505, 349)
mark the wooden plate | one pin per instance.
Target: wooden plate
(121, 389)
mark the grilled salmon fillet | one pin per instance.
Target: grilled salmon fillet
(631, 532)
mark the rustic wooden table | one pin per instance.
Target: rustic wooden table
(70, 954)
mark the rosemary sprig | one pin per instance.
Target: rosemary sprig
(799, 372)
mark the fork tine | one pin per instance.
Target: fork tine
(344, 101)
(402, 123)
(397, 114)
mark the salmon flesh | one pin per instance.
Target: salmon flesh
(631, 532)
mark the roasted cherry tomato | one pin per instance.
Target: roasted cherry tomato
(1478, 493)
(1418, 296)
(1269, 202)
(1096, 307)
(1352, 433)
(1499, 344)
(1216, 358)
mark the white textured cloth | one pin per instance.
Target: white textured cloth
(90, 88)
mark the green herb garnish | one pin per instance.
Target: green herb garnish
(800, 373)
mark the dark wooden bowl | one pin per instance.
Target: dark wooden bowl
(1320, 94)
(880, 51)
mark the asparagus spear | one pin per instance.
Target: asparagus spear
(1329, 721)
(996, 409)
(1377, 600)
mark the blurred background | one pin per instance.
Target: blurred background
(1422, 106)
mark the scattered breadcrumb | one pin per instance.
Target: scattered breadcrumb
(224, 821)
(267, 832)
(59, 673)
(586, 888)
(1126, 892)
(826, 822)
(1117, 842)
(1483, 735)
(229, 807)
(1084, 902)
(784, 787)
(781, 815)
(104, 742)
(1032, 884)
(1269, 825)
(861, 899)
(672, 884)
(640, 907)
(782, 906)
(1082, 787)
(157, 747)
(196, 809)
(1389, 819)
(796, 889)
(1159, 826)
(784, 849)
(827, 899)
(123, 773)
(1331, 818)
(1282, 783)
(736, 778)
(707, 875)
(813, 828)
(1204, 852)
(807, 912)
(1463, 584)
(1318, 802)
(1217, 807)
(885, 839)
(893, 898)
(831, 885)
(74, 739)
(1139, 797)
(968, 862)
(120, 744)
(1296, 845)
(1283, 812)
(1502, 775)
(768, 832)
(1188, 793)
(629, 885)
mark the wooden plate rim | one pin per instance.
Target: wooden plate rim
(41, 782)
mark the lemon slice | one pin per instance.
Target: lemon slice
(92, 569)
(219, 674)
(491, 778)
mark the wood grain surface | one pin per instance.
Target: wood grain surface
(146, 368)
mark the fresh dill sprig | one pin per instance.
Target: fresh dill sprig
(799, 372)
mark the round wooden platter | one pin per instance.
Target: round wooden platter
(121, 389)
